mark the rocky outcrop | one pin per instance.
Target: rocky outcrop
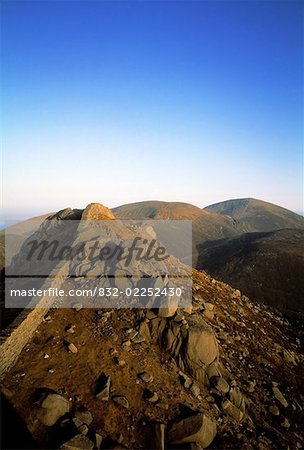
(192, 344)
(96, 211)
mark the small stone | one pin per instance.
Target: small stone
(114, 336)
(186, 381)
(208, 311)
(84, 415)
(273, 409)
(120, 362)
(286, 424)
(126, 344)
(279, 396)
(195, 389)
(103, 320)
(103, 387)
(51, 370)
(83, 429)
(70, 329)
(150, 396)
(46, 356)
(146, 377)
(138, 339)
(237, 397)
(232, 410)
(75, 421)
(252, 385)
(220, 384)
(77, 306)
(72, 348)
(121, 400)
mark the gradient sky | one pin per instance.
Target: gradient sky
(123, 101)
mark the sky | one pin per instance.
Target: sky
(123, 101)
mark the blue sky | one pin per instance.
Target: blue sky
(123, 101)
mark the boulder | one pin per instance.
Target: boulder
(200, 349)
(51, 407)
(199, 429)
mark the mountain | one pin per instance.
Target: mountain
(205, 225)
(268, 267)
(235, 242)
(20, 230)
(222, 373)
(256, 215)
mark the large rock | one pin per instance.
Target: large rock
(200, 350)
(96, 211)
(199, 429)
(51, 407)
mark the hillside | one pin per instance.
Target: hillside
(268, 267)
(257, 215)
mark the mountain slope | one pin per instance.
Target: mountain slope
(268, 267)
(238, 394)
(129, 377)
(257, 215)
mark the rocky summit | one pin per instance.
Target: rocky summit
(225, 372)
